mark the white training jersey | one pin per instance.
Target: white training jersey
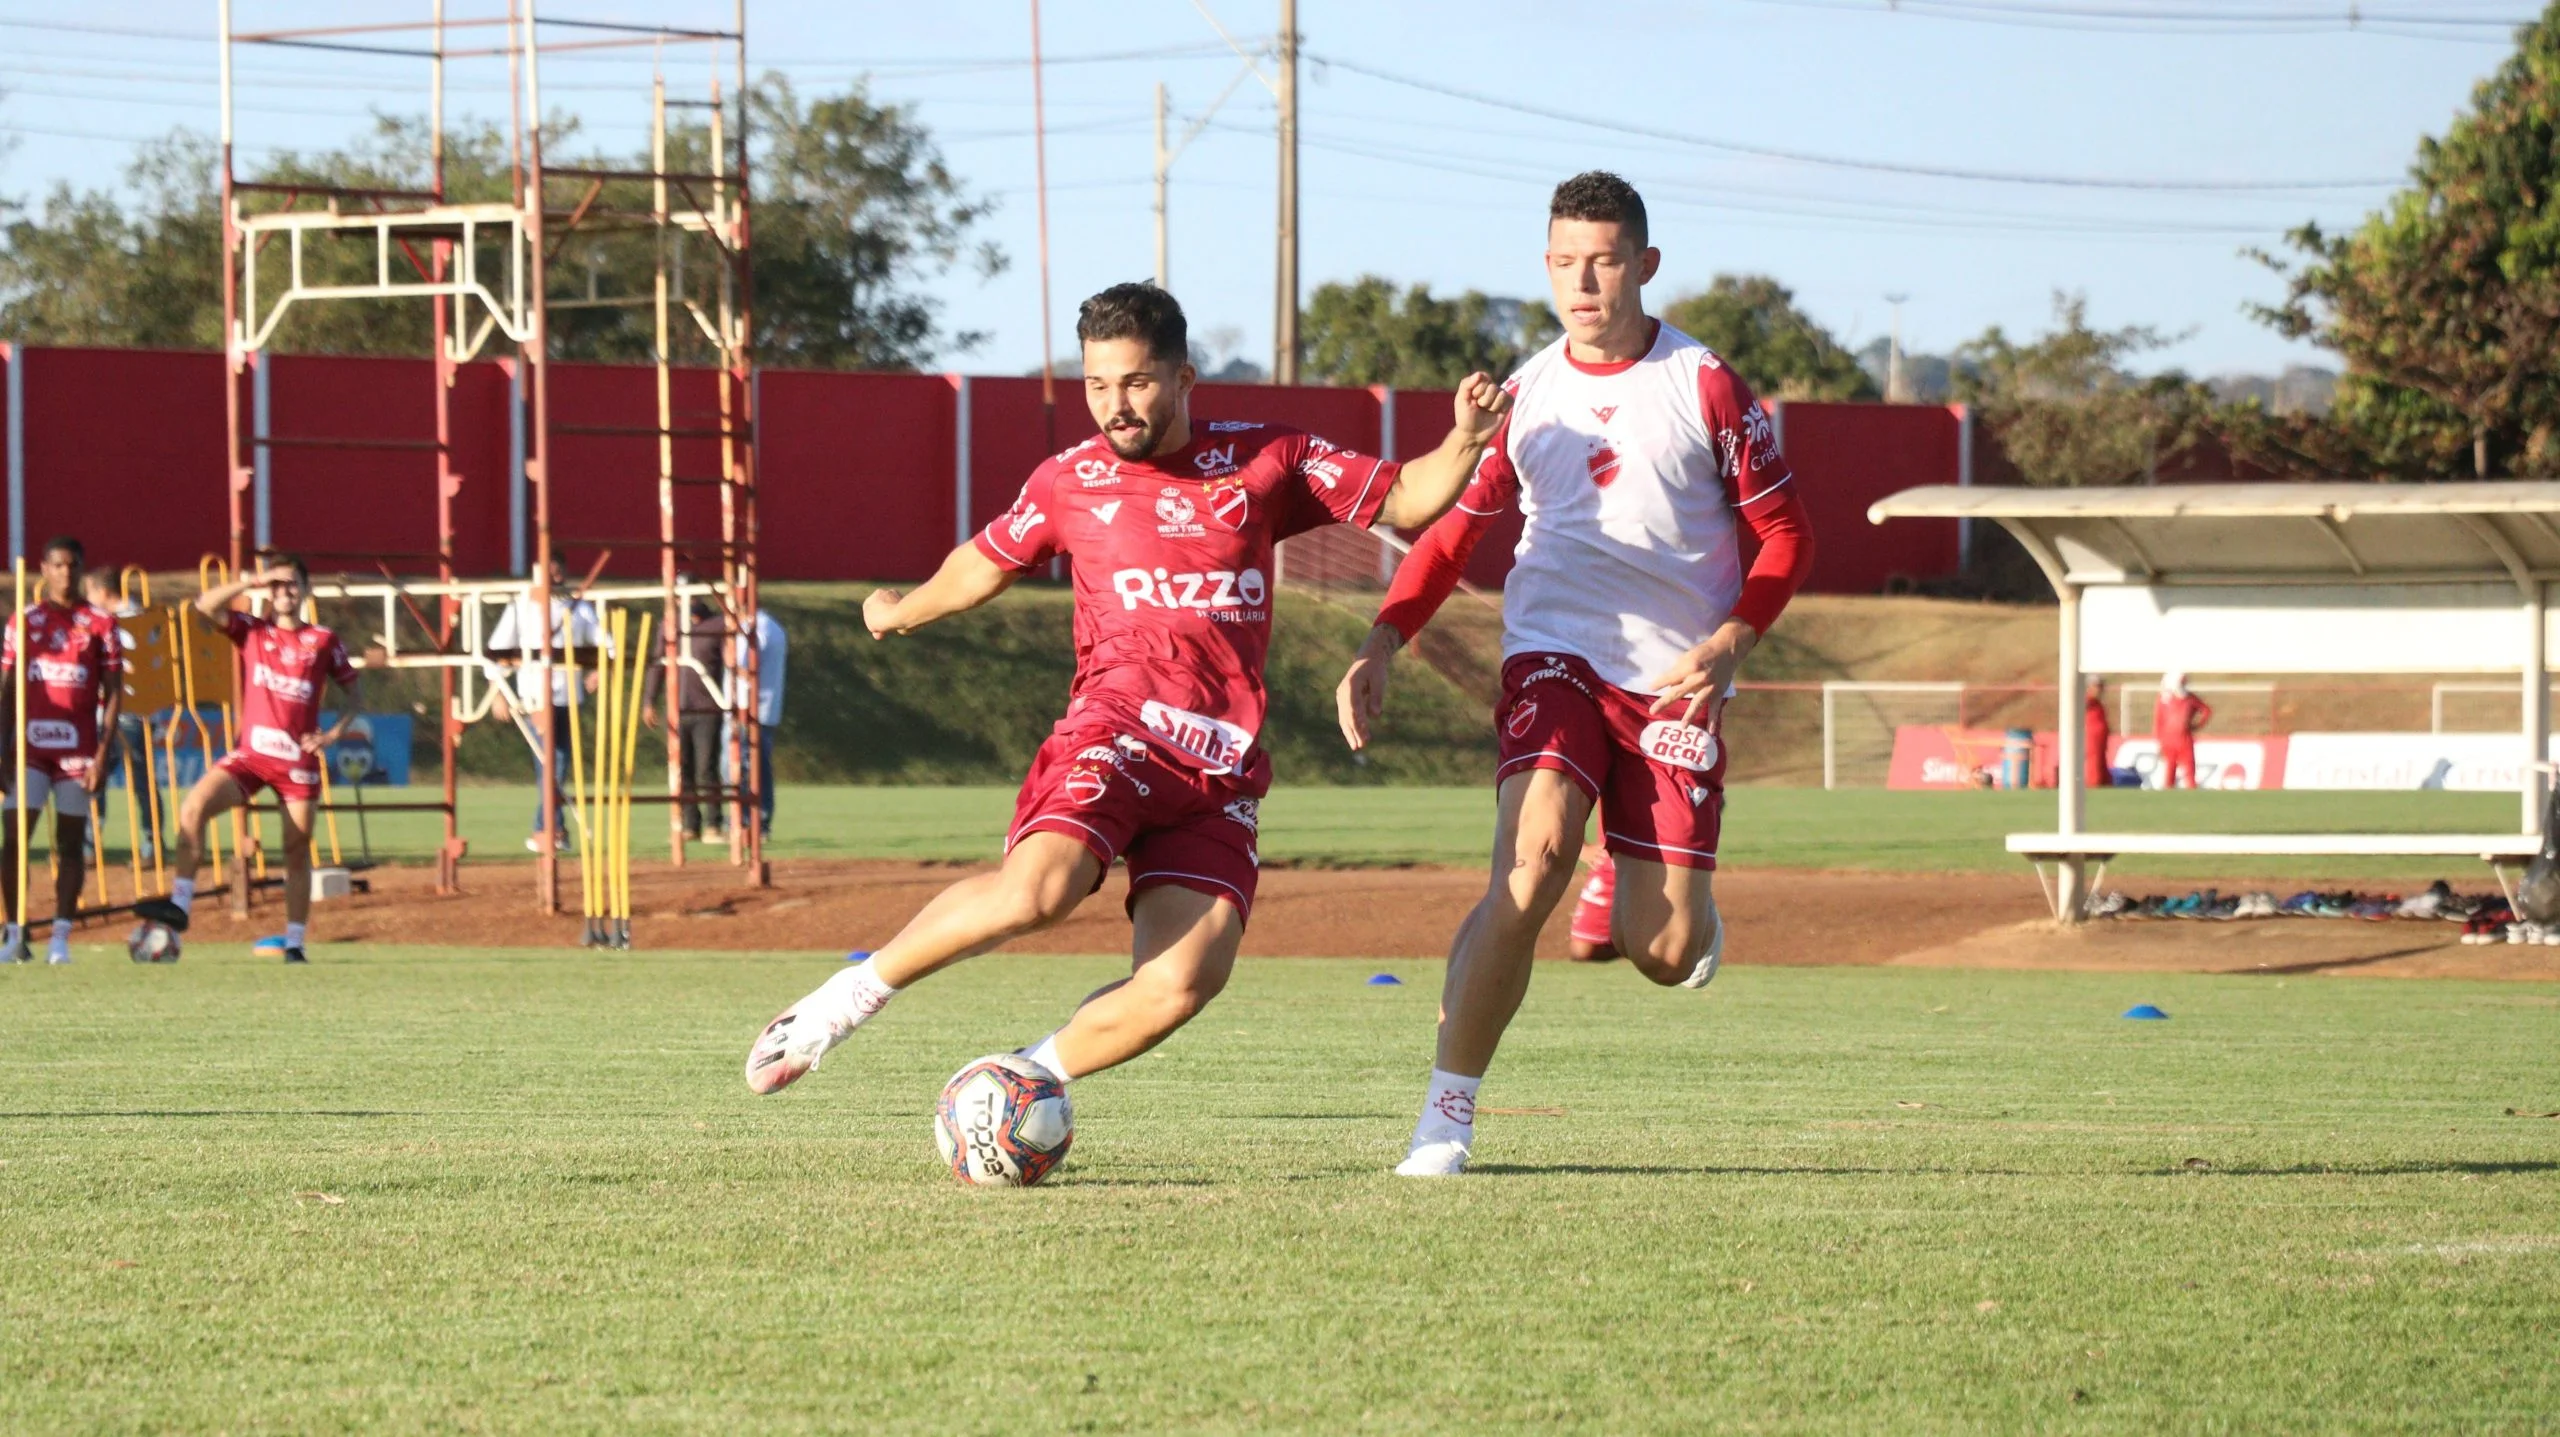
(1630, 478)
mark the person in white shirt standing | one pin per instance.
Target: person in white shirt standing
(515, 644)
(1634, 456)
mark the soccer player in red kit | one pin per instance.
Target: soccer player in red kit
(75, 690)
(279, 744)
(1635, 457)
(1158, 762)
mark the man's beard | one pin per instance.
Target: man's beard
(1135, 443)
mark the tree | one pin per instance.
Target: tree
(1752, 322)
(2067, 411)
(853, 208)
(1365, 332)
(2446, 303)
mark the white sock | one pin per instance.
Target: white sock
(8, 935)
(1448, 1110)
(293, 934)
(61, 933)
(1045, 1053)
(182, 891)
(856, 993)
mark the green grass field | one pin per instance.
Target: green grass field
(526, 1191)
(1766, 827)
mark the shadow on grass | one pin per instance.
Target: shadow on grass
(2335, 965)
(2357, 1170)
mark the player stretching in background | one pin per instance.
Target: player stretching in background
(279, 745)
(1634, 456)
(1157, 762)
(75, 691)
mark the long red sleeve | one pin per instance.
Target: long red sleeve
(1785, 559)
(1430, 573)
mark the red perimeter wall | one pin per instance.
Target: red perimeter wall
(859, 475)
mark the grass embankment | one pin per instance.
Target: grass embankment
(438, 1190)
(1959, 832)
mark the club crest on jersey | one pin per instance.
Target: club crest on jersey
(1215, 461)
(1603, 464)
(1228, 507)
(1522, 715)
(1604, 412)
(1246, 811)
(1679, 745)
(1176, 515)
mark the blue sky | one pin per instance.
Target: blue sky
(1438, 189)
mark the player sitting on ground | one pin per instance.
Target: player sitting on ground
(1633, 454)
(1171, 526)
(75, 691)
(280, 745)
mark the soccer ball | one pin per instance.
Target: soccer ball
(153, 943)
(1003, 1122)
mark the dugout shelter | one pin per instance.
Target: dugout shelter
(2321, 578)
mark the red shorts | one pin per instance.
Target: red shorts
(1659, 782)
(1591, 907)
(298, 782)
(1122, 797)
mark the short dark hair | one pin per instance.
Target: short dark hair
(64, 543)
(1137, 311)
(301, 570)
(1600, 197)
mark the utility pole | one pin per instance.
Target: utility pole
(1164, 165)
(1284, 338)
(1893, 352)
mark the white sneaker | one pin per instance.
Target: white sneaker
(1708, 962)
(1436, 1158)
(792, 1044)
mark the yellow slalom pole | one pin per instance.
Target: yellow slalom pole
(18, 679)
(632, 684)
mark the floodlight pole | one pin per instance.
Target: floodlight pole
(1284, 338)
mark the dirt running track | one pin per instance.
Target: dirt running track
(1778, 916)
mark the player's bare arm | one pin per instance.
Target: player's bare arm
(966, 579)
(319, 742)
(1699, 680)
(1362, 694)
(213, 603)
(108, 713)
(1424, 488)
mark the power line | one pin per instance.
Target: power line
(1844, 162)
(2350, 19)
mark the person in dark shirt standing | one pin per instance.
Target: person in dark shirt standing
(700, 678)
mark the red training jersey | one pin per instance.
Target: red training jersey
(1173, 572)
(77, 655)
(2175, 719)
(280, 704)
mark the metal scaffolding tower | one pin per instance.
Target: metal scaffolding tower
(483, 264)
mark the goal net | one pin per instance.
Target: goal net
(1859, 721)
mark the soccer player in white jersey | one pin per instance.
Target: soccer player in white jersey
(1635, 457)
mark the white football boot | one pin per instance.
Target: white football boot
(1708, 962)
(802, 1034)
(794, 1042)
(1434, 1158)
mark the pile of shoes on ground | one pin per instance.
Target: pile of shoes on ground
(2484, 918)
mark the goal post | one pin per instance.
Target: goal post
(1859, 719)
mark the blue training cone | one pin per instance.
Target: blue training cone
(2144, 1010)
(1385, 980)
(857, 955)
